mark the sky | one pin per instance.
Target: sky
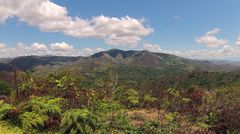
(206, 29)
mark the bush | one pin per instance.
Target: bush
(133, 98)
(45, 111)
(128, 97)
(32, 120)
(107, 107)
(79, 121)
(155, 127)
(4, 88)
(151, 127)
(4, 109)
(116, 123)
(45, 105)
(149, 101)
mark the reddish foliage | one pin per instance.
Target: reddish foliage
(13, 114)
(53, 123)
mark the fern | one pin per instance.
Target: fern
(45, 105)
(79, 121)
(4, 109)
(42, 112)
(30, 120)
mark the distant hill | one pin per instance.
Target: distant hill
(115, 58)
(30, 62)
(145, 58)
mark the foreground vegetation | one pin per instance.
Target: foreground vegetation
(69, 103)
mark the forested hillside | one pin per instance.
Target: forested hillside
(119, 92)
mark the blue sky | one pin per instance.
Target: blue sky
(170, 26)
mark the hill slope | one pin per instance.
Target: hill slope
(114, 58)
(26, 63)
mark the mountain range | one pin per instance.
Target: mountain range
(116, 57)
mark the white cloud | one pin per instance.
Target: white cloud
(152, 47)
(90, 51)
(214, 31)
(174, 52)
(57, 49)
(210, 40)
(39, 47)
(226, 51)
(221, 53)
(156, 48)
(61, 47)
(238, 41)
(51, 17)
(64, 49)
(21, 49)
(2, 45)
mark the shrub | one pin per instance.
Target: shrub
(149, 101)
(4, 109)
(32, 120)
(27, 87)
(45, 105)
(151, 127)
(45, 110)
(120, 123)
(133, 98)
(79, 121)
(107, 107)
(155, 127)
(128, 97)
(4, 88)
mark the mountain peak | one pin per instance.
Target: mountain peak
(115, 49)
(114, 53)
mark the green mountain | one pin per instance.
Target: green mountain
(116, 59)
(27, 63)
(155, 60)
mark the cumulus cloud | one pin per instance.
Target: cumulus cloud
(210, 40)
(226, 51)
(214, 31)
(2, 45)
(61, 47)
(39, 47)
(50, 17)
(21, 49)
(238, 41)
(152, 47)
(156, 48)
(90, 51)
(57, 49)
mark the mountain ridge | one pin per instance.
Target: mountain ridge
(135, 58)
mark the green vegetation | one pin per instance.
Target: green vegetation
(4, 88)
(79, 121)
(203, 102)
(6, 128)
(103, 98)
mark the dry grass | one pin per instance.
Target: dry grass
(139, 116)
